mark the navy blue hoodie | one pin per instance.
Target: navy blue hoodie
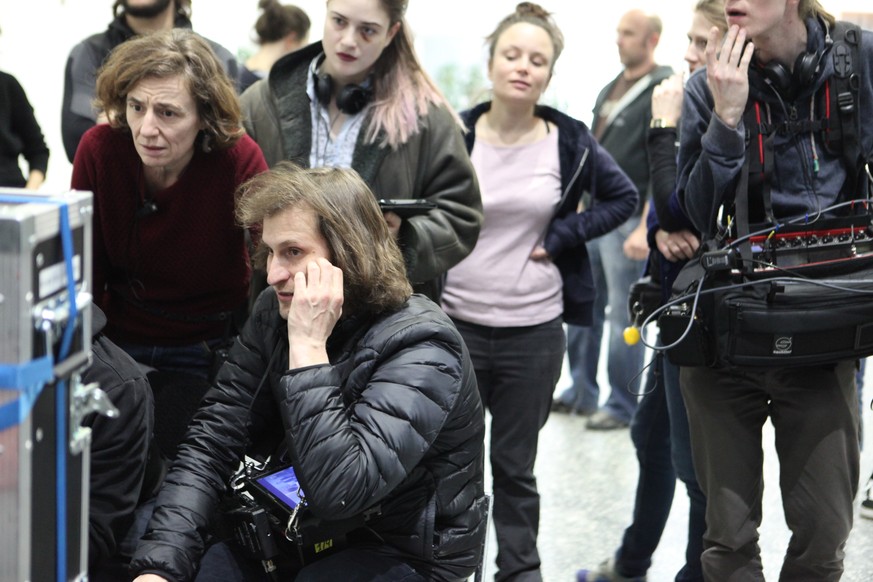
(585, 167)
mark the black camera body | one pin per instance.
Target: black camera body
(255, 530)
(272, 523)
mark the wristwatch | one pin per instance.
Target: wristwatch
(660, 123)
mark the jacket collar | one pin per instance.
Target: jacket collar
(98, 320)
(287, 82)
(567, 126)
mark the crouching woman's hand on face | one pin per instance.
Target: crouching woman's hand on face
(149, 578)
(316, 307)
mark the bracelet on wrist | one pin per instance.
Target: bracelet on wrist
(661, 123)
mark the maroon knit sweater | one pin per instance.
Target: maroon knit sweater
(162, 278)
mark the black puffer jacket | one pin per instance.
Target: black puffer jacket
(394, 419)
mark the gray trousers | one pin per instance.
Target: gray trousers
(814, 412)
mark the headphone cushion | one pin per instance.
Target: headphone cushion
(778, 76)
(789, 83)
(323, 88)
(805, 68)
(353, 98)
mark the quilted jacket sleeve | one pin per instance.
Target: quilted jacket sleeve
(211, 451)
(360, 426)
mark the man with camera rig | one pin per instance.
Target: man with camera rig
(766, 89)
(369, 387)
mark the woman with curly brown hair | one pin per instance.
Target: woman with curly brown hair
(171, 267)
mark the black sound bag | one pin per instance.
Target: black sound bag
(774, 321)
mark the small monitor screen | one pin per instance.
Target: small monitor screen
(283, 485)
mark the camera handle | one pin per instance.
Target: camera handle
(237, 481)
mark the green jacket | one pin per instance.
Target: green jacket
(433, 164)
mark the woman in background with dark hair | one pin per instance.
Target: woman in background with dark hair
(20, 135)
(529, 272)
(360, 99)
(281, 28)
(171, 267)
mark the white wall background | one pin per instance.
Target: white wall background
(37, 36)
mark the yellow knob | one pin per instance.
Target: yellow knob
(631, 335)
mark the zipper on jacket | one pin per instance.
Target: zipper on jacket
(574, 178)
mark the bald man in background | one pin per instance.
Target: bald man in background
(622, 114)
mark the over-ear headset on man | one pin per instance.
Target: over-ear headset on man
(789, 83)
(351, 99)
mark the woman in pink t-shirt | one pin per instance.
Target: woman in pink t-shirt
(529, 271)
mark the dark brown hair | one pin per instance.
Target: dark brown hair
(374, 275)
(532, 14)
(168, 54)
(279, 20)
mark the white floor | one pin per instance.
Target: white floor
(587, 481)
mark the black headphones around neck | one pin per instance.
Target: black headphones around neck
(350, 100)
(789, 83)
